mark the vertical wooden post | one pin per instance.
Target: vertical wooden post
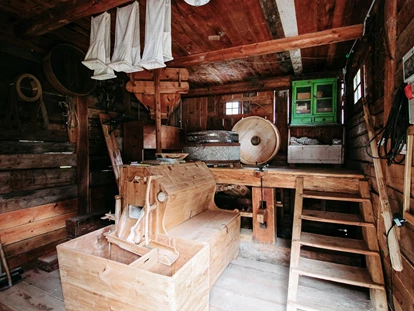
(82, 152)
(391, 46)
(157, 96)
(264, 234)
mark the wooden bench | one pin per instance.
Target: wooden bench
(169, 238)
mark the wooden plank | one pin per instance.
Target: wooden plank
(36, 179)
(149, 88)
(166, 74)
(28, 161)
(266, 233)
(334, 196)
(241, 87)
(48, 262)
(14, 147)
(336, 244)
(33, 214)
(157, 92)
(27, 245)
(407, 179)
(385, 206)
(82, 150)
(112, 146)
(20, 200)
(335, 218)
(19, 233)
(172, 137)
(337, 273)
(273, 46)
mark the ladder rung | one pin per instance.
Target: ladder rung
(336, 273)
(335, 218)
(334, 196)
(335, 243)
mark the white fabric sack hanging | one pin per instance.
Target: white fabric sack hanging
(136, 45)
(97, 53)
(105, 72)
(167, 33)
(124, 35)
(153, 56)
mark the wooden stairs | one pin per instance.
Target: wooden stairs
(370, 277)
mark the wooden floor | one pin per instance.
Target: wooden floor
(245, 285)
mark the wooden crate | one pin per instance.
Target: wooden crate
(97, 275)
(82, 224)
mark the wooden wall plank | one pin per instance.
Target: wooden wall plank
(27, 161)
(36, 179)
(82, 149)
(14, 147)
(33, 214)
(27, 245)
(20, 200)
(19, 233)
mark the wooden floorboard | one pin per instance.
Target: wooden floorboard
(245, 285)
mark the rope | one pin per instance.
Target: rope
(72, 120)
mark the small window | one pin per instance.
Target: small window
(358, 86)
(233, 108)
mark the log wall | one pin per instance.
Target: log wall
(371, 54)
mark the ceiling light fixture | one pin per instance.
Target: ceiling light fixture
(197, 2)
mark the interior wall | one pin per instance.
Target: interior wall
(38, 190)
(371, 54)
(208, 113)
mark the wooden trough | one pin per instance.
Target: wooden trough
(169, 244)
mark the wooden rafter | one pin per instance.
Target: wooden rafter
(241, 87)
(273, 46)
(64, 13)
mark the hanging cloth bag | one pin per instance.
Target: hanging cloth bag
(167, 33)
(105, 73)
(125, 31)
(136, 45)
(97, 53)
(153, 56)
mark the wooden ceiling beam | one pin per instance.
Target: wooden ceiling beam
(64, 13)
(241, 87)
(308, 40)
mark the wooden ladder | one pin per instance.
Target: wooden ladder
(371, 277)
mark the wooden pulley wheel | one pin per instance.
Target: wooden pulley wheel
(26, 83)
(259, 140)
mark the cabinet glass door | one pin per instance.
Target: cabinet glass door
(324, 98)
(303, 102)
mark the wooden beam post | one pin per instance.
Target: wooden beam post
(264, 219)
(307, 40)
(157, 110)
(407, 175)
(390, 48)
(386, 212)
(82, 152)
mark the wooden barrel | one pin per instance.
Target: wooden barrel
(65, 72)
(259, 140)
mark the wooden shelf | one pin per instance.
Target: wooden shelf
(336, 244)
(333, 196)
(337, 273)
(335, 218)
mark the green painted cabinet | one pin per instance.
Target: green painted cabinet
(314, 102)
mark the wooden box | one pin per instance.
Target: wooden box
(98, 275)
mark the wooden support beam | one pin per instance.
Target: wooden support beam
(264, 216)
(273, 46)
(157, 111)
(407, 176)
(82, 152)
(390, 49)
(393, 244)
(62, 14)
(241, 87)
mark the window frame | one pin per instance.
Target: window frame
(234, 110)
(358, 87)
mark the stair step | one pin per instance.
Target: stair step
(335, 218)
(334, 196)
(336, 273)
(335, 243)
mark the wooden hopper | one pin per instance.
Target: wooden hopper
(173, 83)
